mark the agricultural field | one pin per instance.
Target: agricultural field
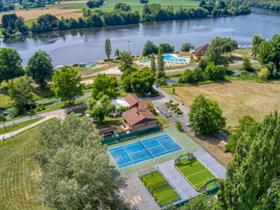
(19, 173)
(33, 14)
(236, 98)
(73, 9)
(194, 172)
(159, 188)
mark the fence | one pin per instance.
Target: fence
(126, 136)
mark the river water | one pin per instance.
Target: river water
(87, 45)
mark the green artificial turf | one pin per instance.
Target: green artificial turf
(159, 188)
(194, 172)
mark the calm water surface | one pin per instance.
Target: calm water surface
(87, 45)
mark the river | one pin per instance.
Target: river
(87, 45)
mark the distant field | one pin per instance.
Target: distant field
(236, 98)
(35, 13)
(74, 8)
(19, 173)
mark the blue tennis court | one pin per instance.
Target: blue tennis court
(140, 151)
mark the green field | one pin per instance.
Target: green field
(135, 4)
(19, 173)
(159, 188)
(15, 127)
(194, 172)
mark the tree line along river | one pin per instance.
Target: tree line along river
(87, 45)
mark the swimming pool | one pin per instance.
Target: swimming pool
(175, 59)
(140, 151)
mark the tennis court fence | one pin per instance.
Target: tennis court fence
(123, 136)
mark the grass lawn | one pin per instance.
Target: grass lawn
(236, 98)
(159, 188)
(244, 52)
(20, 173)
(135, 4)
(15, 127)
(194, 172)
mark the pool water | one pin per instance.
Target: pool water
(140, 151)
(175, 59)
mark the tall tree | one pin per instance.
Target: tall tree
(140, 82)
(257, 40)
(100, 109)
(21, 93)
(206, 116)
(40, 67)
(149, 48)
(254, 170)
(10, 64)
(126, 62)
(153, 65)
(66, 84)
(269, 55)
(160, 64)
(108, 48)
(218, 48)
(75, 166)
(104, 85)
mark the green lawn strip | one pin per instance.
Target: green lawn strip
(15, 127)
(159, 188)
(194, 172)
(20, 173)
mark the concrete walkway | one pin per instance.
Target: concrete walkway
(177, 181)
(136, 194)
(60, 114)
(209, 162)
(14, 133)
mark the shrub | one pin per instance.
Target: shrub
(144, 1)
(179, 126)
(263, 74)
(95, 3)
(186, 47)
(166, 48)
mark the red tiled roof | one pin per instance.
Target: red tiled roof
(136, 115)
(131, 100)
(200, 51)
(144, 104)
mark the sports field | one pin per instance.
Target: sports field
(194, 172)
(159, 188)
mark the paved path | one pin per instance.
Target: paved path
(14, 133)
(208, 161)
(60, 114)
(177, 181)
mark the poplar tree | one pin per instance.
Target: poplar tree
(108, 48)
(252, 180)
(153, 64)
(160, 64)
